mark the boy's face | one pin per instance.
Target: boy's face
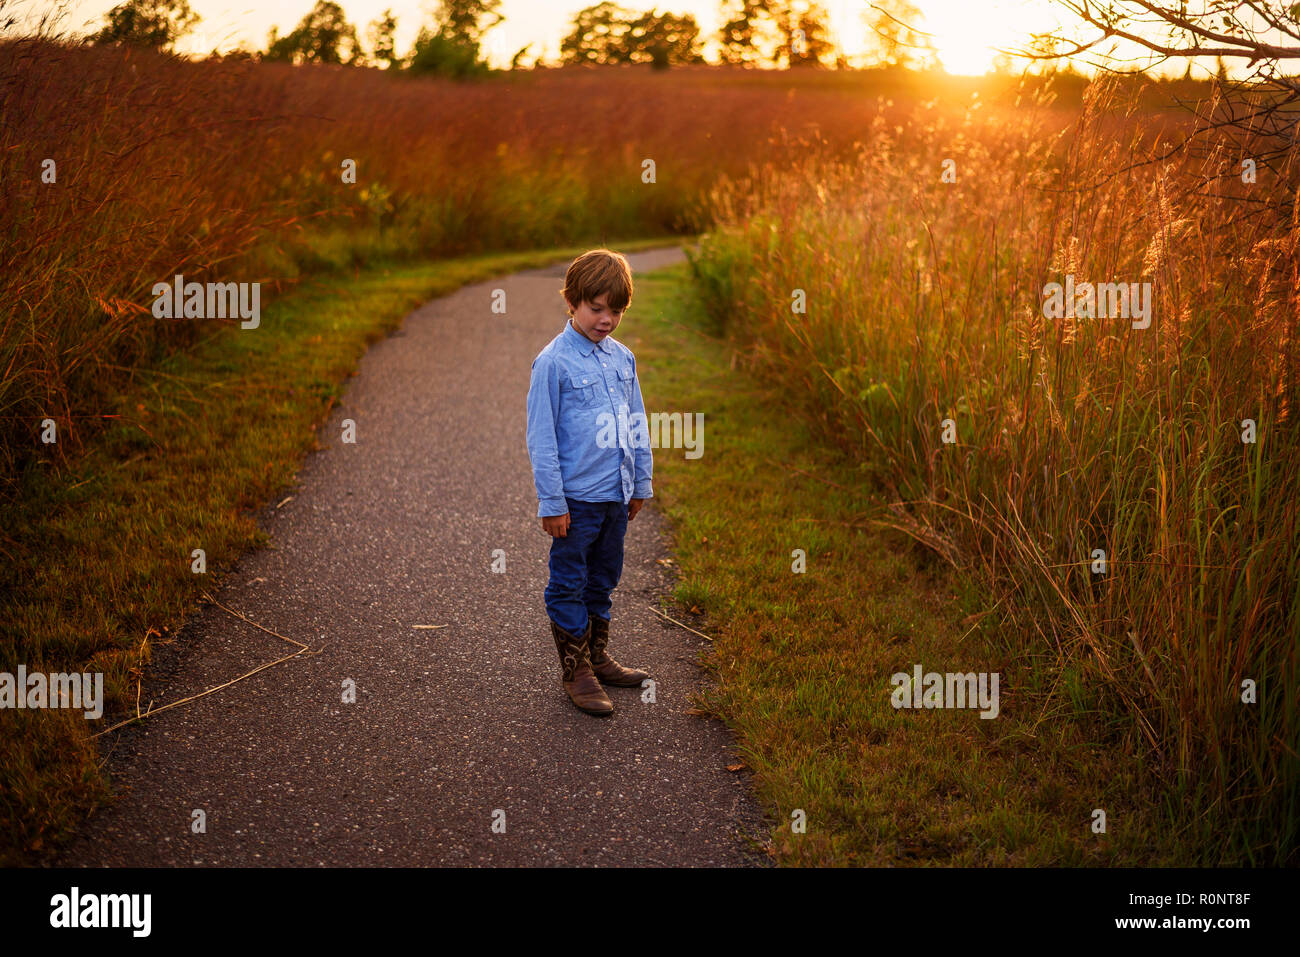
(595, 320)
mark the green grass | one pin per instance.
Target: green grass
(96, 555)
(802, 662)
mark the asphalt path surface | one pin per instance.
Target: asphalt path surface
(461, 747)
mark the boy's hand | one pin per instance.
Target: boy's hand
(633, 507)
(557, 526)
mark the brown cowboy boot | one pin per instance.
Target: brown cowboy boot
(579, 680)
(607, 669)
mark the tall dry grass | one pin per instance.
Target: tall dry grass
(231, 171)
(925, 304)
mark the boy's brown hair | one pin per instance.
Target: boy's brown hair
(595, 273)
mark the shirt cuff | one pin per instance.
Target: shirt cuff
(643, 490)
(550, 507)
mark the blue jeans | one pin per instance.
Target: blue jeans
(586, 564)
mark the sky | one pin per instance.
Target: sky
(967, 33)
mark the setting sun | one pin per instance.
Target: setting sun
(967, 36)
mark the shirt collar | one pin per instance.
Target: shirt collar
(581, 342)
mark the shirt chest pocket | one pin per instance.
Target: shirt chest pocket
(626, 382)
(581, 388)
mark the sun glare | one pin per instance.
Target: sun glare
(968, 35)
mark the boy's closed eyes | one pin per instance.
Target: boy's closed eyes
(596, 320)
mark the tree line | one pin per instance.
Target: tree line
(780, 33)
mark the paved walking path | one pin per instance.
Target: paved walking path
(450, 724)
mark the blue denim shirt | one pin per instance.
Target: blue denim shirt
(574, 382)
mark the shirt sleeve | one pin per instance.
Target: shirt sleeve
(543, 449)
(642, 457)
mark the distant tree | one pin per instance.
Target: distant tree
(322, 36)
(780, 32)
(383, 47)
(662, 39)
(803, 26)
(451, 47)
(739, 34)
(435, 52)
(464, 20)
(597, 35)
(151, 23)
(607, 33)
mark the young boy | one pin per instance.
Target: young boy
(591, 470)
